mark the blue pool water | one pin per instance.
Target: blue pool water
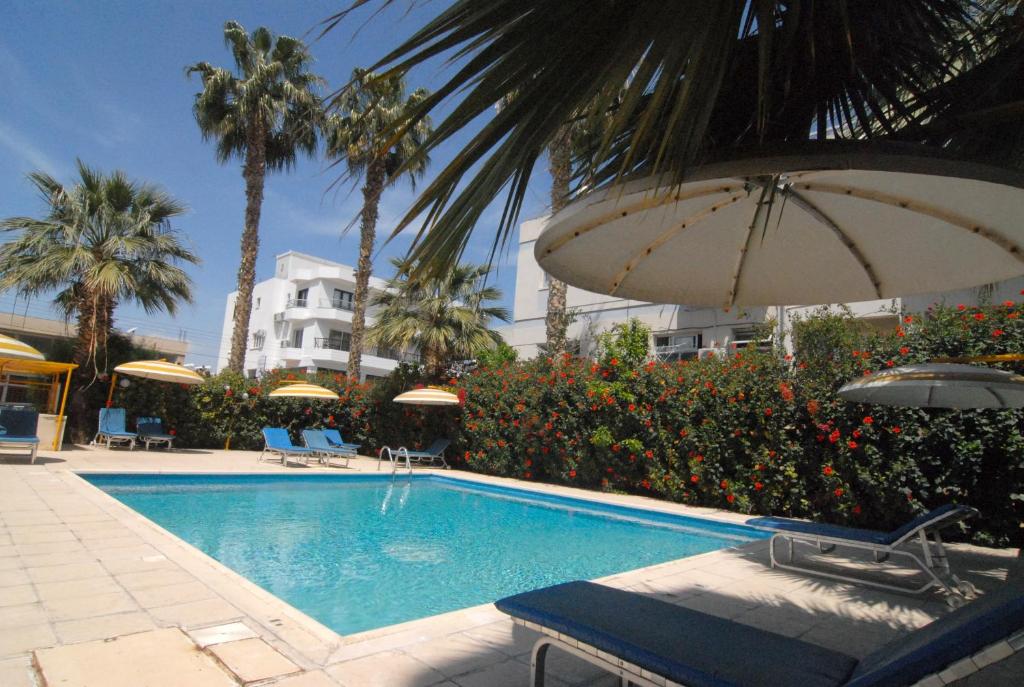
(361, 552)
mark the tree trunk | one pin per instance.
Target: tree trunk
(555, 321)
(254, 172)
(372, 190)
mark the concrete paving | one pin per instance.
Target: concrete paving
(83, 577)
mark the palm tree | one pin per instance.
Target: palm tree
(677, 81)
(104, 241)
(266, 114)
(360, 134)
(446, 318)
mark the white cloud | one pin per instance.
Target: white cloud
(28, 152)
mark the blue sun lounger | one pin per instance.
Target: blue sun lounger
(151, 431)
(316, 441)
(923, 530)
(112, 429)
(19, 427)
(334, 439)
(654, 643)
(277, 442)
(434, 453)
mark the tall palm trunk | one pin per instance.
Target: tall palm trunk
(254, 172)
(559, 165)
(372, 190)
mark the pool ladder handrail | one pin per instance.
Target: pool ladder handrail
(394, 456)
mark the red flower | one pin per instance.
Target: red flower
(632, 408)
(904, 350)
(997, 332)
(856, 434)
(963, 307)
(813, 407)
(908, 319)
(724, 484)
(827, 470)
(856, 509)
(979, 316)
(645, 484)
(852, 444)
(838, 492)
(730, 498)
(768, 411)
(527, 475)
(173, 432)
(758, 486)
(614, 361)
(683, 432)
(694, 479)
(895, 430)
(834, 436)
(1008, 304)
(649, 453)
(572, 474)
(699, 458)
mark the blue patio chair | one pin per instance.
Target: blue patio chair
(923, 530)
(19, 423)
(434, 453)
(276, 441)
(112, 429)
(151, 431)
(333, 437)
(650, 642)
(315, 440)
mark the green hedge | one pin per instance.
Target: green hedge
(756, 432)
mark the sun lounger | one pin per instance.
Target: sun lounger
(434, 453)
(922, 530)
(277, 442)
(151, 431)
(650, 642)
(112, 429)
(333, 437)
(18, 428)
(316, 441)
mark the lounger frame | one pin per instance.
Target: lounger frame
(324, 454)
(32, 444)
(630, 673)
(933, 560)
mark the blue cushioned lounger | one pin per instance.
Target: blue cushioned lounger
(334, 439)
(923, 530)
(434, 453)
(315, 440)
(19, 425)
(112, 428)
(151, 431)
(277, 441)
(648, 642)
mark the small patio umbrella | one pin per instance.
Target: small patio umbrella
(12, 348)
(427, 397)
(304, 390)
(160, 370)
(938, 385)
(826, 223)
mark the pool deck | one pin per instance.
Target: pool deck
(91, 593)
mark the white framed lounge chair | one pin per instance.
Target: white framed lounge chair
(316, 441)
(649, 642)
(150, 430)
(277, 442)
(112, 430)
(19, 428)
(924, 530)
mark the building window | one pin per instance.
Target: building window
(340, 341)
(342, 299)
(545, 281)
(297, 338)
(258, 339)
(300, 300)
(256, 305)
(388, 352)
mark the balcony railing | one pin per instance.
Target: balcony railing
(675, 352)
(297, 303)
(332, 344)
(337, 303)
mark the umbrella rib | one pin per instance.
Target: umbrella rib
(648, 203)
(946, 216)
(668, 235)
(817, 213)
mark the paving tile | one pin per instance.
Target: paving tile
(8, 550)
(172, 594)
(22, 614)
(27, 638)
(153, 578)
(11, 563)
(572, 669)
(58, 547)
(314, 679)
(218, 634)
(386, 669)
(509, 673)
(119, 551)
(17, 595)
(77, 607)
(194, 613)
(60, 573)
(43, 537)
(17, 672)
(89, 586)
(505, 636)
(13, 577)
(253, 659)
(87, 629)
(135, 563)
(455, 654)
(45, 560)
(160, 658)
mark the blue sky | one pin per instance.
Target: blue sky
(105, 82)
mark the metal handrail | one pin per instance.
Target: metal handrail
(297, 303)
(329, 343)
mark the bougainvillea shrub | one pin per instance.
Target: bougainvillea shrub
(756, 432)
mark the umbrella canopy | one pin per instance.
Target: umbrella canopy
(160, 370)
(304, 390)
(854, 223)
(428, 397)
(12, 348)
(938, 385)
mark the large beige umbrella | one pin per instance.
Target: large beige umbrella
(12, 348)
(160, 370)
(855, 222)
(938, 385)
(304, 390)
(427, 397)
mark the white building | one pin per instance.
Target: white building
(302, 320)
(682, 331)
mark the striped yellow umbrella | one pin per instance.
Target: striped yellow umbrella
(160, 370)
(304, 390)
(12, 348)
(428, 396)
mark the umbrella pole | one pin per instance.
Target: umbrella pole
(60, 413)
(110, 394)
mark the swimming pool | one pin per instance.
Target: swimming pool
(358, 552)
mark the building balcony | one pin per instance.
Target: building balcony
(300, 309)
